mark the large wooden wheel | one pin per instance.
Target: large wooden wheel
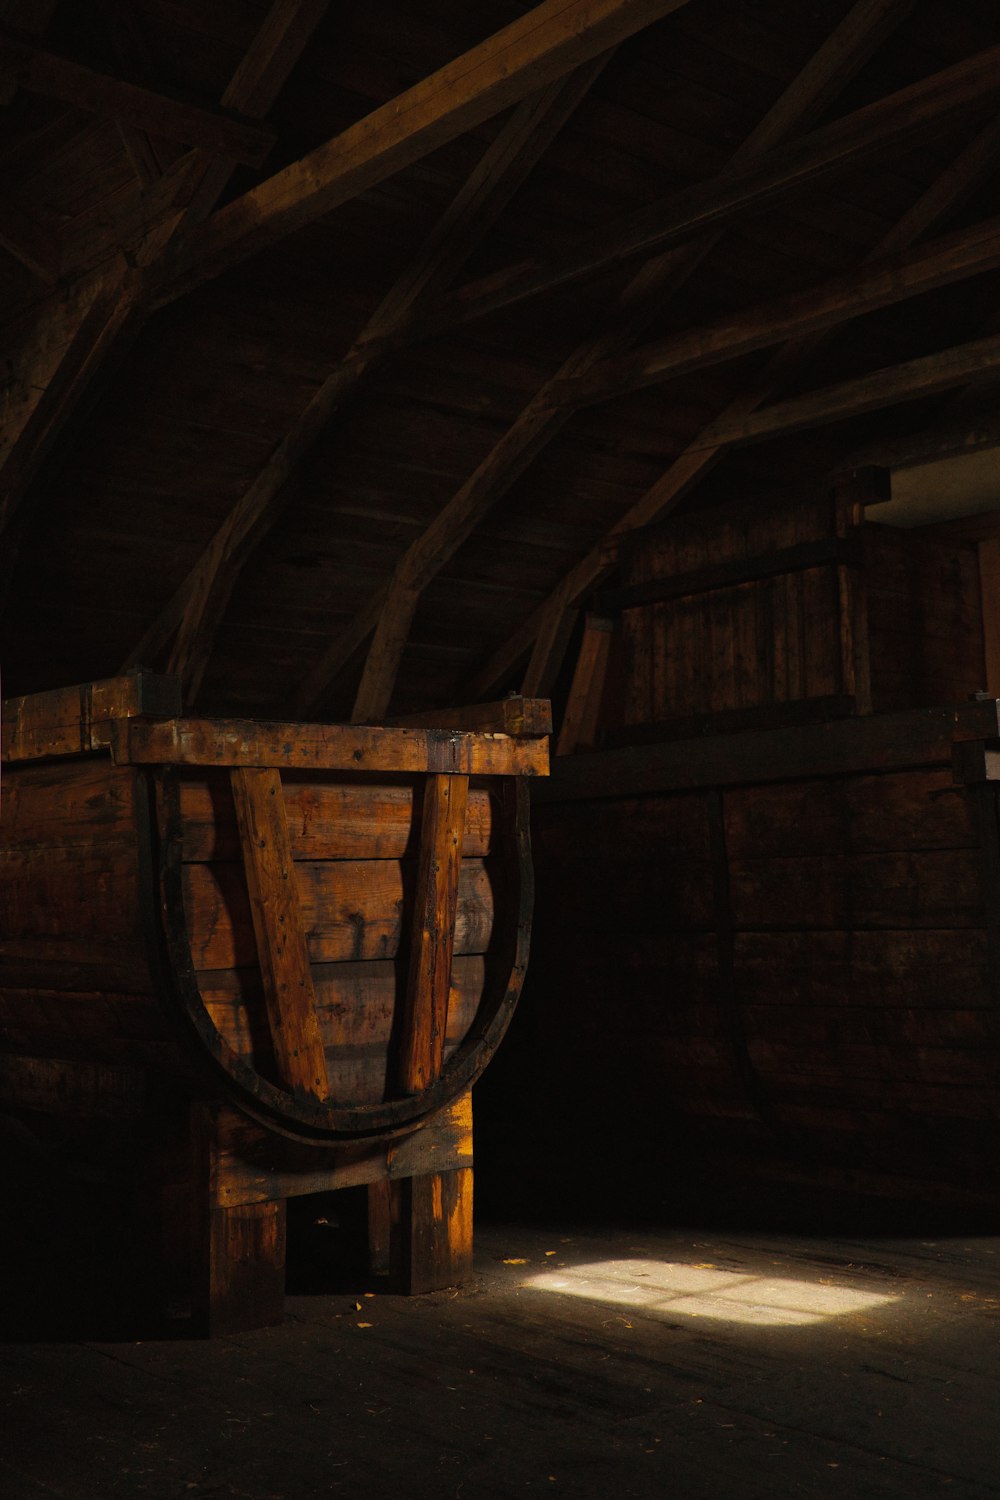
(425, 1066)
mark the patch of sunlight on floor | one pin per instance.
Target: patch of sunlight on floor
(706, 1292)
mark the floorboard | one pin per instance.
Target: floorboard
(606, 1364)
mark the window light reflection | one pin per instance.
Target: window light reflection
(706, 1292)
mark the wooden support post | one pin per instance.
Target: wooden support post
(432, 1231)
(583, 707)
(989, 587)
(242, 1275)
(238, 1252)
(289, 995)
(425, 1014)
(422, 1226)
(866, 487)
(380, 1216)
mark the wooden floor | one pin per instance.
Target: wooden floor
(676, 1364)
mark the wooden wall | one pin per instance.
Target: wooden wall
(741, 609)
(769, 922)
(801, 975)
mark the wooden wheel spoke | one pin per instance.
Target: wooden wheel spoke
(286, 976)
(425, 1003)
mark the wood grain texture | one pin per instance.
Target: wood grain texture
(289, 996)
(61, 78)
(67, 721)
(907, 115)
(515, 715)
(540, 633)
(235, 742)
(328, 818)
(424, 1019)
(352, 910)
(529, 54)
(252, 1165)
(197, 606)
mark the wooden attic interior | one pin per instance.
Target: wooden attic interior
(364, 362)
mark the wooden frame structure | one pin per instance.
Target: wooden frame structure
(247, 1075)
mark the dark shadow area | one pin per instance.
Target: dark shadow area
(328, 1244)
(71, 1260)
(75, 1265)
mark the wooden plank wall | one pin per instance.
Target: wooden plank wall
(895, 623)
(801, 968)
(925, 618)
(354, 852)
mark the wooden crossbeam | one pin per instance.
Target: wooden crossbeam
(543, 633)
(886, 387)
(543, 418)
(836, 747)
(325, 747)
(101, 318)
(282, 951)
(541, 46)
(524, 717)
(44, 72)
(71, 720)
(123, 29)
(943, 440)
(424, 1018)
(24, 238)
(581, 720)
(197, 606)
(971, 252)
(891, 123)
(102, 324)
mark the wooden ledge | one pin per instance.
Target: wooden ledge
(75, 720)
(325, 747)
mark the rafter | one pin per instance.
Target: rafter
(545, 632)
(549, 41)
(391, 612)
(898, 120)
(197, 606)
(946, 439)
(123, 30)
(95, 318)
(43, 72)
(20, 237)
(894, 279)
(926, 376)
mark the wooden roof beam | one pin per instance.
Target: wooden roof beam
(390, 613)
(123, 29)
(24, 241)
(544, 633)
(549, 41)
(96, 320)
(890, 124)
(947, 439)
(43, 72)
(926, 376)
(971, 252)
(196, 608)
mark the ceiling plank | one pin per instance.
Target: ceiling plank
(898, 120)
(54, 387)
(847, 48)
(549, 41)
(44, 72)
(972, 252)
(23, 239)
(196, 608)
(948, 439)
(926, 376)
(123, 29)
(544, 633)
